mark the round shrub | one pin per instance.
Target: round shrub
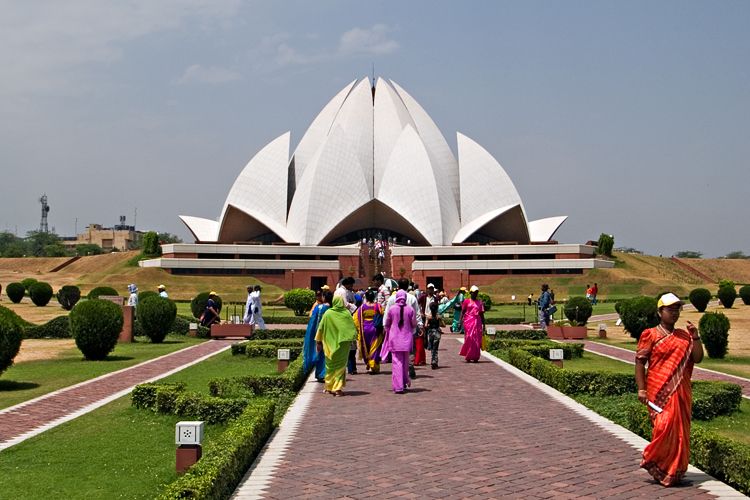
(96, 324)
(147, 293)
(578, 310)
(700, 297)
(15, 318)
(156, 316)
(40, 293)
(15, 292)
(486, 300)
(11, 335)
(101, 290)
(68, 296)
(138, 329)
(57, 328)
(745, 294)
(28, 282)
(727, 295)
(299, 300)
(198, 304)
(638, 314)
(714, 331)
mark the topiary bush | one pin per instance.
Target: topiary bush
(68, 296)
(198, 304)
(299, 300)
(15, 318)
(745, 294)
(57, 328)
(727, 295)
(578, 310)
(28, 282)
(486, 300)
(95, 325)
(101, 290)
(147, 293)
(638, 314)
(700, 297)
(40, 293)
(156, 316)
(15, 292)
(714, 331)
(11, 335)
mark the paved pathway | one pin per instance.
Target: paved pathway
(698, 373)
(462, 431)
(33, 417)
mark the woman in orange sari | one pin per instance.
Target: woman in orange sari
(670, 354)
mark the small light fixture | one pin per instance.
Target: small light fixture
(188, 437)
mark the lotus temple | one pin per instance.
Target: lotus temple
(374, 169)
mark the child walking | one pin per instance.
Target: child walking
(434, 323)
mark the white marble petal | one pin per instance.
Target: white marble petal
(204, 230)
(391, 116)
(545, 229)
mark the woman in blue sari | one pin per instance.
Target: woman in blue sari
(312, 358)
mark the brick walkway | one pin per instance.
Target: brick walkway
(463, 431)
(698, 372)
(28, 419)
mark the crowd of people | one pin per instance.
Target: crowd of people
(382, 325)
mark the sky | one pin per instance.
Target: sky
(632, 118)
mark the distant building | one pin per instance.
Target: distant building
(119, 237)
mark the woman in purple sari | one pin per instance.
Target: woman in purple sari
(369, 322)
(472, 315)
(399, 335)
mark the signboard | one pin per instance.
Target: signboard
(283, 354)
(491, 330)
(555, 354)
(193, 326)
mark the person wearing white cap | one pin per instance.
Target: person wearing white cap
(133, 297)
(670, 354)
(472, 317)
(162, 291)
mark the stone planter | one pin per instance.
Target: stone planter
(574, 332)
(555, 332)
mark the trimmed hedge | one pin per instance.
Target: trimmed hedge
(521, 334)
(700, 297)
(57, 328)
(227, 458)
(144, 395)
(15, 292)
(181, 325)
(40, 293)
(252, 348)
(486, 300)
(172, 399)
(745, 294)
(27, 283)
(727, 295)
(578, 310)
(294, 333)
(96, 325)
(299, 300)
(712, 399)
(714, 331)
(539, 348)
(638, 314)
(288, 320)
(101, 290)
(156, 316)
(291, 380)
(68, 296)
(502, 320)
(11, 335)
(15, 318)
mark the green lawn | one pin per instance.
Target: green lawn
(27, 380)
(115, 451)
(591, 361)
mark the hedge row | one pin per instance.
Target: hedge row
(499, 320)
(712, 399)
(227, 458)
(725, 459)
(291, 380)
(171, 399)
(293, 333)
(539, 348)
(286, 320)
(521, 334)
(57, 328)
(251, 347)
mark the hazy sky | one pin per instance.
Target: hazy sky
(630, 117)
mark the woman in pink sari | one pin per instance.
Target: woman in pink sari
(399, 334)
(472, 315)
(670, 354)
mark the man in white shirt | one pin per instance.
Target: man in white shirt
(403, 284)
(163, 292)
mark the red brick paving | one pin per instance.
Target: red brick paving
(464, 430)
(23, 419)
(698, 372)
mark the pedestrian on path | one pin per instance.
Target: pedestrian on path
(400, 323)
(211, 313)
(434, 333)
(162, 290)
(256, 317)
(369, 322)
(472, 317)
(670, 354)
(247, 316)
(412, 301)
(335, 334)
(133, 297)
(311, 357)
(455, 303)
(545, 303)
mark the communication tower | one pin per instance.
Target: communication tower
(43, 228)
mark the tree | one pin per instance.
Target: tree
(165, 238)
(54, 250)
(737, 254)
(88, 249)
(605, 244)
(688, 254)
(151, 246)
(37, 241)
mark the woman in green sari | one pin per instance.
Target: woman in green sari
(335, 334)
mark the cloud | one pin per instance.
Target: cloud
(207, 75)
(372, 41)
